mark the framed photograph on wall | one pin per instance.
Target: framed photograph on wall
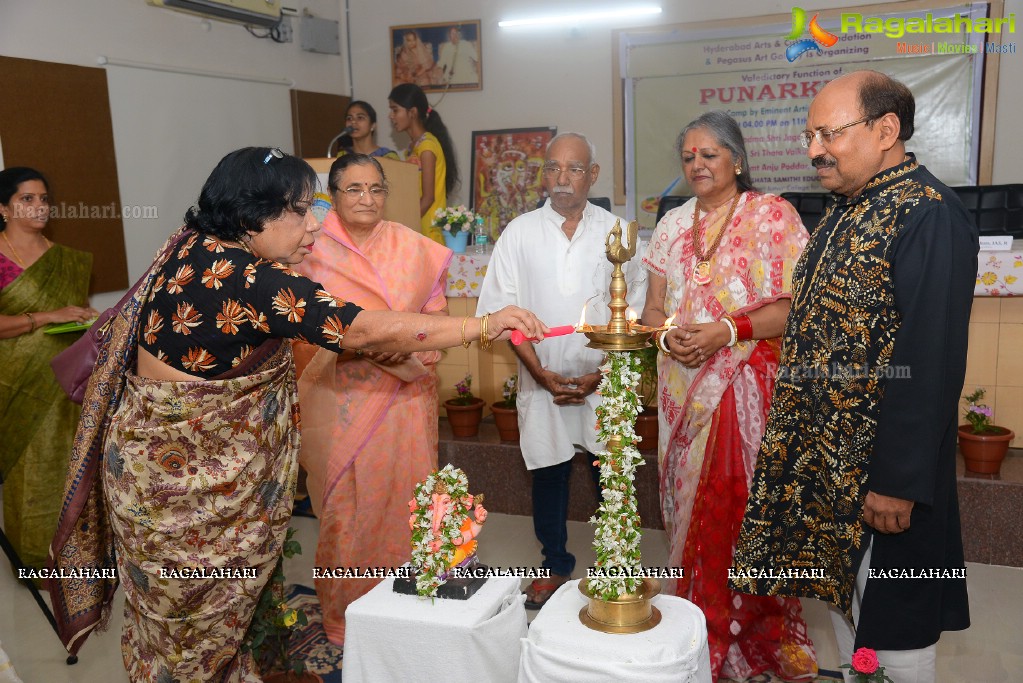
(438, 57)
(506, 172)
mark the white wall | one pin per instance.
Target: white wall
(561, 77)
(79, 32)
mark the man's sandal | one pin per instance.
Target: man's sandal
(541, 590)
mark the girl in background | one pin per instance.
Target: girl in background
(430, 149)
(361, 117)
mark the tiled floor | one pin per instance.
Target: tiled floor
(989, 652)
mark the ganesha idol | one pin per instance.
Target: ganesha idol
(442, 509)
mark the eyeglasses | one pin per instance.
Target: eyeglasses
(575, 172)
(357, 193)
(825, 136)
(274, 154)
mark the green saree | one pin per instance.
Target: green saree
(37, 421)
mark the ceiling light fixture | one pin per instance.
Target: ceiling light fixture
(574, 19)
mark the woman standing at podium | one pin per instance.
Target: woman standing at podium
(431, 150)
(369, 420)
(361, 117)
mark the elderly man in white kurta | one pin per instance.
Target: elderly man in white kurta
(552, 262)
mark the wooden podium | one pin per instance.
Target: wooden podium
(403, 179)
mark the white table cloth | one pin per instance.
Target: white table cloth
(560, 648)
(393, 637)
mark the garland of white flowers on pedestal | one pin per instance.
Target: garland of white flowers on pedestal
(431, 565)
(617, 537)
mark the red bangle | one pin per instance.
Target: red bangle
(743, 328)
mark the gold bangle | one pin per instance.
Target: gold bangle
(485, 341)
(465, 342)
(31, 320)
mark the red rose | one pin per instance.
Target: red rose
(864, 661)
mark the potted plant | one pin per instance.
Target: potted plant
(506, 415)
(982, 443)
(269, 634)
(465, 410)
(455, 223)
(646, 421)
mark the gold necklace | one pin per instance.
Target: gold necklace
(14, 252)
(701, 273)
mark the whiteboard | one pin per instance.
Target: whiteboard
(170, 130)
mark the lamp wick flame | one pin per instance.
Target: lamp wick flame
(582, 318)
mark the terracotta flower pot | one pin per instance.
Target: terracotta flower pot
(507, 421)
(465, 420)
(646, 428)
(983, 453)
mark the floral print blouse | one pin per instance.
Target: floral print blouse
(214, 303)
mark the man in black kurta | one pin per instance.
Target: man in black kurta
(858, 459)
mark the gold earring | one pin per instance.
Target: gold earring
(738, 170)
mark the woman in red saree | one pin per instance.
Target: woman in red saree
(369, 420)
(184, 465)
(720, 266)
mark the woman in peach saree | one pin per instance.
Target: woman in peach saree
(369, 421)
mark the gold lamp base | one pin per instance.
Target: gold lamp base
(630, 613)
(638, 337)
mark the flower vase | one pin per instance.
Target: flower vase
(983, 453)
(507, 421)
(456, 241)
(464, 419)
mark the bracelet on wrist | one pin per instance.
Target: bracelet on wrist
(743, 328)
(662, 343)
(31, 321)
(465, 342)
(733, 334)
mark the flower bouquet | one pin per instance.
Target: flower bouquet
(454, 219)
(865, 668)
(455, 223)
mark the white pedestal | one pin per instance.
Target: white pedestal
(392, 637)
(560, 649)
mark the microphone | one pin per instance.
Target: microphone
(346, 131)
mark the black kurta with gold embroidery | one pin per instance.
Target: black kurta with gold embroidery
(867, 396)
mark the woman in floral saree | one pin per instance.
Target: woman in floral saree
(40, 283)
(721, 265)
(185, 461)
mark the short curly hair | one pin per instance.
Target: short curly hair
(248, 188)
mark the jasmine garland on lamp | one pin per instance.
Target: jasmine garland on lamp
(187, 449)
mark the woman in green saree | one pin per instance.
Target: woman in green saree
(40, 283)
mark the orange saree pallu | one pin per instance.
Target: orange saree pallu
(369, 432)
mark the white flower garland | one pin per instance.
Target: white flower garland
(617, 536)
(431, 565)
